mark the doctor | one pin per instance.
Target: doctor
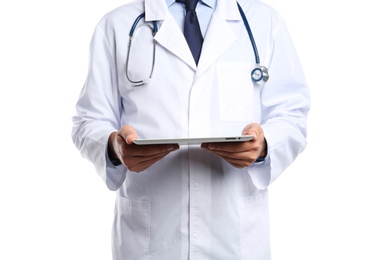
(191, 201)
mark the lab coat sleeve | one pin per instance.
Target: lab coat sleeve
(99, 110)
(285, 102)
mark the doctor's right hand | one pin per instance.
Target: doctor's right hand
(134, 157)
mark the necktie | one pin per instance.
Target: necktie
(192, 30)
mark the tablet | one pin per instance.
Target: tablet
(195, 140)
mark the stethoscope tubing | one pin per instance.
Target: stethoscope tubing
(251, 36)
(134, 25)
(131, 33)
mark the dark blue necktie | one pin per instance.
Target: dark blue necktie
(192, 30)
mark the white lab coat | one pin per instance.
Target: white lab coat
(192, 204)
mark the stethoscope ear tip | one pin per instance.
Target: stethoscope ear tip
(141, 82)
(146, 81)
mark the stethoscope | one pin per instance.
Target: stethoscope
(259, 74)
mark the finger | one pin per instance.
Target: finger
(237, 162)
(228, 147)
(244, 158)
(148, 150)
(246, 155)
(138, 164)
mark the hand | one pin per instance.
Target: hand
(241, 154)
(136, 158)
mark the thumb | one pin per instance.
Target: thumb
(128, 133)
(251, 129)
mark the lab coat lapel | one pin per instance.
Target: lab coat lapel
(171, 37)
(220, 35)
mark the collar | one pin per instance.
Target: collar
(209, 3)
(156, 10)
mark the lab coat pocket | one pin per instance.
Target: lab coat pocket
(254, 221)
(131, 230)
(236, 91)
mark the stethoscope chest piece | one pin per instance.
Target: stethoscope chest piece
(260, 74)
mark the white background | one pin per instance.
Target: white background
(54, 206)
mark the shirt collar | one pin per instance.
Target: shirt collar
(210, 3)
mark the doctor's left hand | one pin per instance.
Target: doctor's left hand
(134, 157)
(241, 154)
